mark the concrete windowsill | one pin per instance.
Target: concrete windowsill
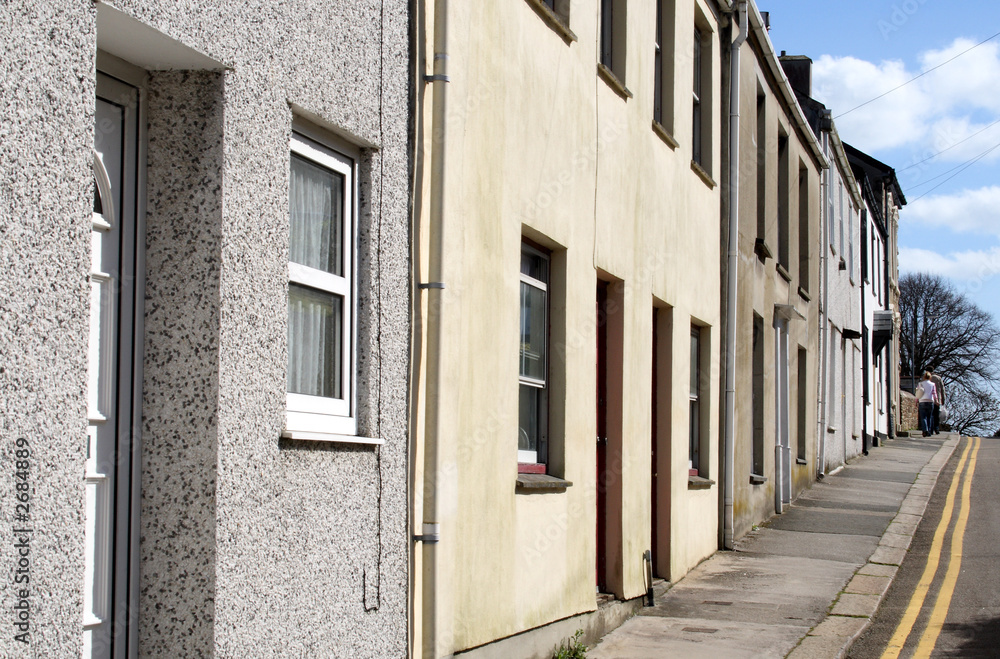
(784, 273)
(608, 76)
(553, 20)
(540, 484)
(703, 175)
(804, 294)
(757, 480)
(699, 483)
(762, 250)
(801, 461)
(664, 135)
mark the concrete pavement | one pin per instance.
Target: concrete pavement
(806, 583)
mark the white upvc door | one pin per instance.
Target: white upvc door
(113, 387)
(782, 447)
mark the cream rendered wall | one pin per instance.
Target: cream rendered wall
(539, 146)
(761, 287)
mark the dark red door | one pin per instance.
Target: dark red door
(653, 484)
(602, 433)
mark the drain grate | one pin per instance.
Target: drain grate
(700, 630)
(716, 603)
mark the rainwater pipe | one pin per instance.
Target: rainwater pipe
(434, 287)
(733, 261)
(824, 330)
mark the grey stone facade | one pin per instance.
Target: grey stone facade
(250, 545)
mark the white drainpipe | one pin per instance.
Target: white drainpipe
(824, 328)
(731, 273)
(433, 322)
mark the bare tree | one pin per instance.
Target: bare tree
(945, 332)
(973, 412)
(953, 337)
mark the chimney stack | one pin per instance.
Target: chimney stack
(798, 69)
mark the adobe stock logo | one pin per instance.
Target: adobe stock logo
(900, 16)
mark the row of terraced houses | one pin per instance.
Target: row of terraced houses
(388, 328)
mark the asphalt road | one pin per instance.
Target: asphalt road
(952, 607)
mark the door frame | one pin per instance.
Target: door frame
(113, 77)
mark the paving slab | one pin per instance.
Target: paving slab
(895, 540)
(841, 547)
(856, 605)
(888, 556)
(840, 626)
(876, 570)
(863, 584)
(817, 646)
(696, 639)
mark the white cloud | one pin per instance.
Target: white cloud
(968, 211)
(929, 114)
(843, 83)
(973, 268)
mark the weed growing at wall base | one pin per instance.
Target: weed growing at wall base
(572, 648)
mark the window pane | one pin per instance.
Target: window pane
(315, 342)
(533, 325)
(695, 366)
(529, 411)
(535, 266)
(696, 65)
(316, 204)
(694, 437)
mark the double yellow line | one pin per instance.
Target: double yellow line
(966, 465)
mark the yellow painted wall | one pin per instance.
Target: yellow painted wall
(539, 146)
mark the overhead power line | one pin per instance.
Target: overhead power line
(958, 166)
(964, 166)
(903, 169)
(919, 75)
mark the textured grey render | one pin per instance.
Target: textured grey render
(250, 545)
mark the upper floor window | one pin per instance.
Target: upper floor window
(663, 75)
(613, 37)
(321, 358)
(533, 358)
(701, 98)
(784, 231)
(696, 144)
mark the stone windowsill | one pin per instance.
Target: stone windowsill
(801, 461)
(540, 484)
(664, 135)
(703, 175)
(784, 273)
(553, 20)
(699, 483)
(762, 250)
(757, 480)
(804, 294)
(608, 76)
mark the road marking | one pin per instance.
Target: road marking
(933, 559)
(930, 636)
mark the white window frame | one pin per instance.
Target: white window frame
(694, 405)
(697, 89)
(531, 457)
(317, 417)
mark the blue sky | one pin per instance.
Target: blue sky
(948, 117)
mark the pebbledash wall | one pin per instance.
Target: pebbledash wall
(249, 544)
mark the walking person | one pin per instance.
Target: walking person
(938, 404)
(926, 394)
